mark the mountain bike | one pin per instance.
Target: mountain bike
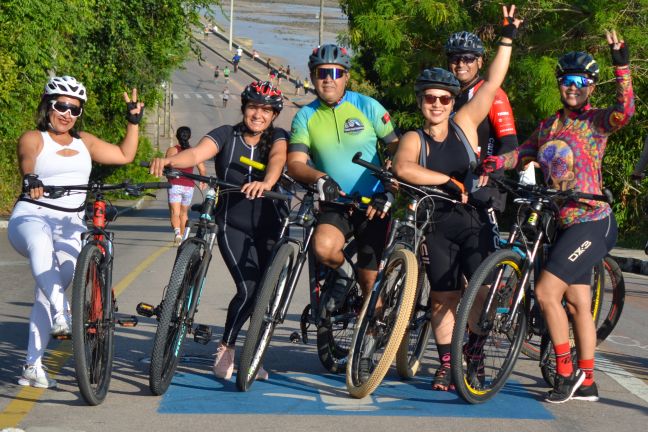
(334, 327)
(390, 311)
(181, 297)
(494, 312)
(93, 301)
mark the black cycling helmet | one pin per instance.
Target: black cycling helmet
(262, 92)
(437, 78)
(464, 42)
(329, 54)
(577, 62)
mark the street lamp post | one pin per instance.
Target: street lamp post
(321, 23)
(231, 23)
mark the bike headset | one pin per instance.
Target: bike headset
(580, 63)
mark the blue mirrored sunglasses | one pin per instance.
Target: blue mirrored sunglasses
(577, 80)
(334, 73)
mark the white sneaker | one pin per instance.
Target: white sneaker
(61, 328)
(262, 374)
(177, 240)
(224, 363)
(35, 376)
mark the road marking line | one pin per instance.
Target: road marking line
(198, 95)
(628, 381)
(24, 401)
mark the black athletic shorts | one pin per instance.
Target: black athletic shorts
(579, 248)
(370, 235)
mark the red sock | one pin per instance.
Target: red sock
(587, 366)
(564, 365)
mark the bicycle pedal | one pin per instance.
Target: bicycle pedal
(128, 322)
(295, 337)
(202, 334)
(146, 310)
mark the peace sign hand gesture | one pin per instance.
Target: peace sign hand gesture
(618, 48)
(511, 25)
(135, 110)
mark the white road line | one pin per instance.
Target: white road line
(187, 96)
(210, 96)
(631, 383)
(175, 96)
(198, 95)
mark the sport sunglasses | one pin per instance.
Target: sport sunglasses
(334, 73)
(431, 99)
(577, 80)
(466, 59)
(62, 108)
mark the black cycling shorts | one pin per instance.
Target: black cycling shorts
(579, 248)
(370, 235)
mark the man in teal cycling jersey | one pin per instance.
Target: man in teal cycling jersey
(328, 132)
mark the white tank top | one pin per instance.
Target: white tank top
(56, 170)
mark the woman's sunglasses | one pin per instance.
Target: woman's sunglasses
(334, 73)
(62, 108)
(465, 59)
(577, 80)
(431, 99)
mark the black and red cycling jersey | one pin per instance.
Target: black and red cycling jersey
(496, 134)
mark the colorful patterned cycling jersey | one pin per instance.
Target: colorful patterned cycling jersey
(333, 135)
(570, 150)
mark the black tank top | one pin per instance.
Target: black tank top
(233, 208)
(448, 157)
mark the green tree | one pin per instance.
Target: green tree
(394, 39)
(109, 45)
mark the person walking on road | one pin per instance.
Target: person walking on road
(216, 72)
(226, 74)
(247, 227)
(225, 96)
(181, 191)
(48, 231)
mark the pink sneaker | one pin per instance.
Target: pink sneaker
(262, 374)
(224, 363)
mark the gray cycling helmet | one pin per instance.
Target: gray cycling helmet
(329, 54)
(66, 86)
(437, 78)
(577, 62)
(464, 42)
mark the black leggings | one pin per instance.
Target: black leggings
(246, 254)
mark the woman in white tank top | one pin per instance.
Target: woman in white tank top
(58, 154)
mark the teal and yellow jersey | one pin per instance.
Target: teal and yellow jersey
(332, 135)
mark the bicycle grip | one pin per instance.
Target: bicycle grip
(276, 195)
(254, 164)
(155, 185)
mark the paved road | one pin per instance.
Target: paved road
(298, 396)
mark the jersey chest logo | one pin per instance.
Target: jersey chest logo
(353, 126)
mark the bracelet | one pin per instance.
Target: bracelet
(500, 43)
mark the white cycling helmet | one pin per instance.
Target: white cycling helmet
(66, 86)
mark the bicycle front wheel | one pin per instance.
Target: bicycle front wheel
(93, 311)
(487, 338)
(264, 318)
(173, 317)
(379, 332)
(415, 340)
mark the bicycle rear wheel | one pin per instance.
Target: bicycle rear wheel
(264, 318)
(613, 298)
(93, 311)
(415, 339)
(173, 316)
(379, 332)
(487, 339)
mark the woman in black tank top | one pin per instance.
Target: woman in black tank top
(442, 154)
(248, 227)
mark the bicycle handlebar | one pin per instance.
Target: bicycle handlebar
(214, 181)
(131, 188)
(514, 187)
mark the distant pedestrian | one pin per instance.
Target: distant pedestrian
(306, 85)
(225, 96)
(298, 84)
(216, 72)
(280, 74)
(255, 55)
(288, 73)
(206, 33)
(273, 75)
(226, 74)
(239, 51)
(235, 61)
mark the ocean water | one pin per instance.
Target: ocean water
(287, 33)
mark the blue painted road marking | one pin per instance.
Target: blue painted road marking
(306, 394)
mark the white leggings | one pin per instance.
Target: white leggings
(51, 240)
